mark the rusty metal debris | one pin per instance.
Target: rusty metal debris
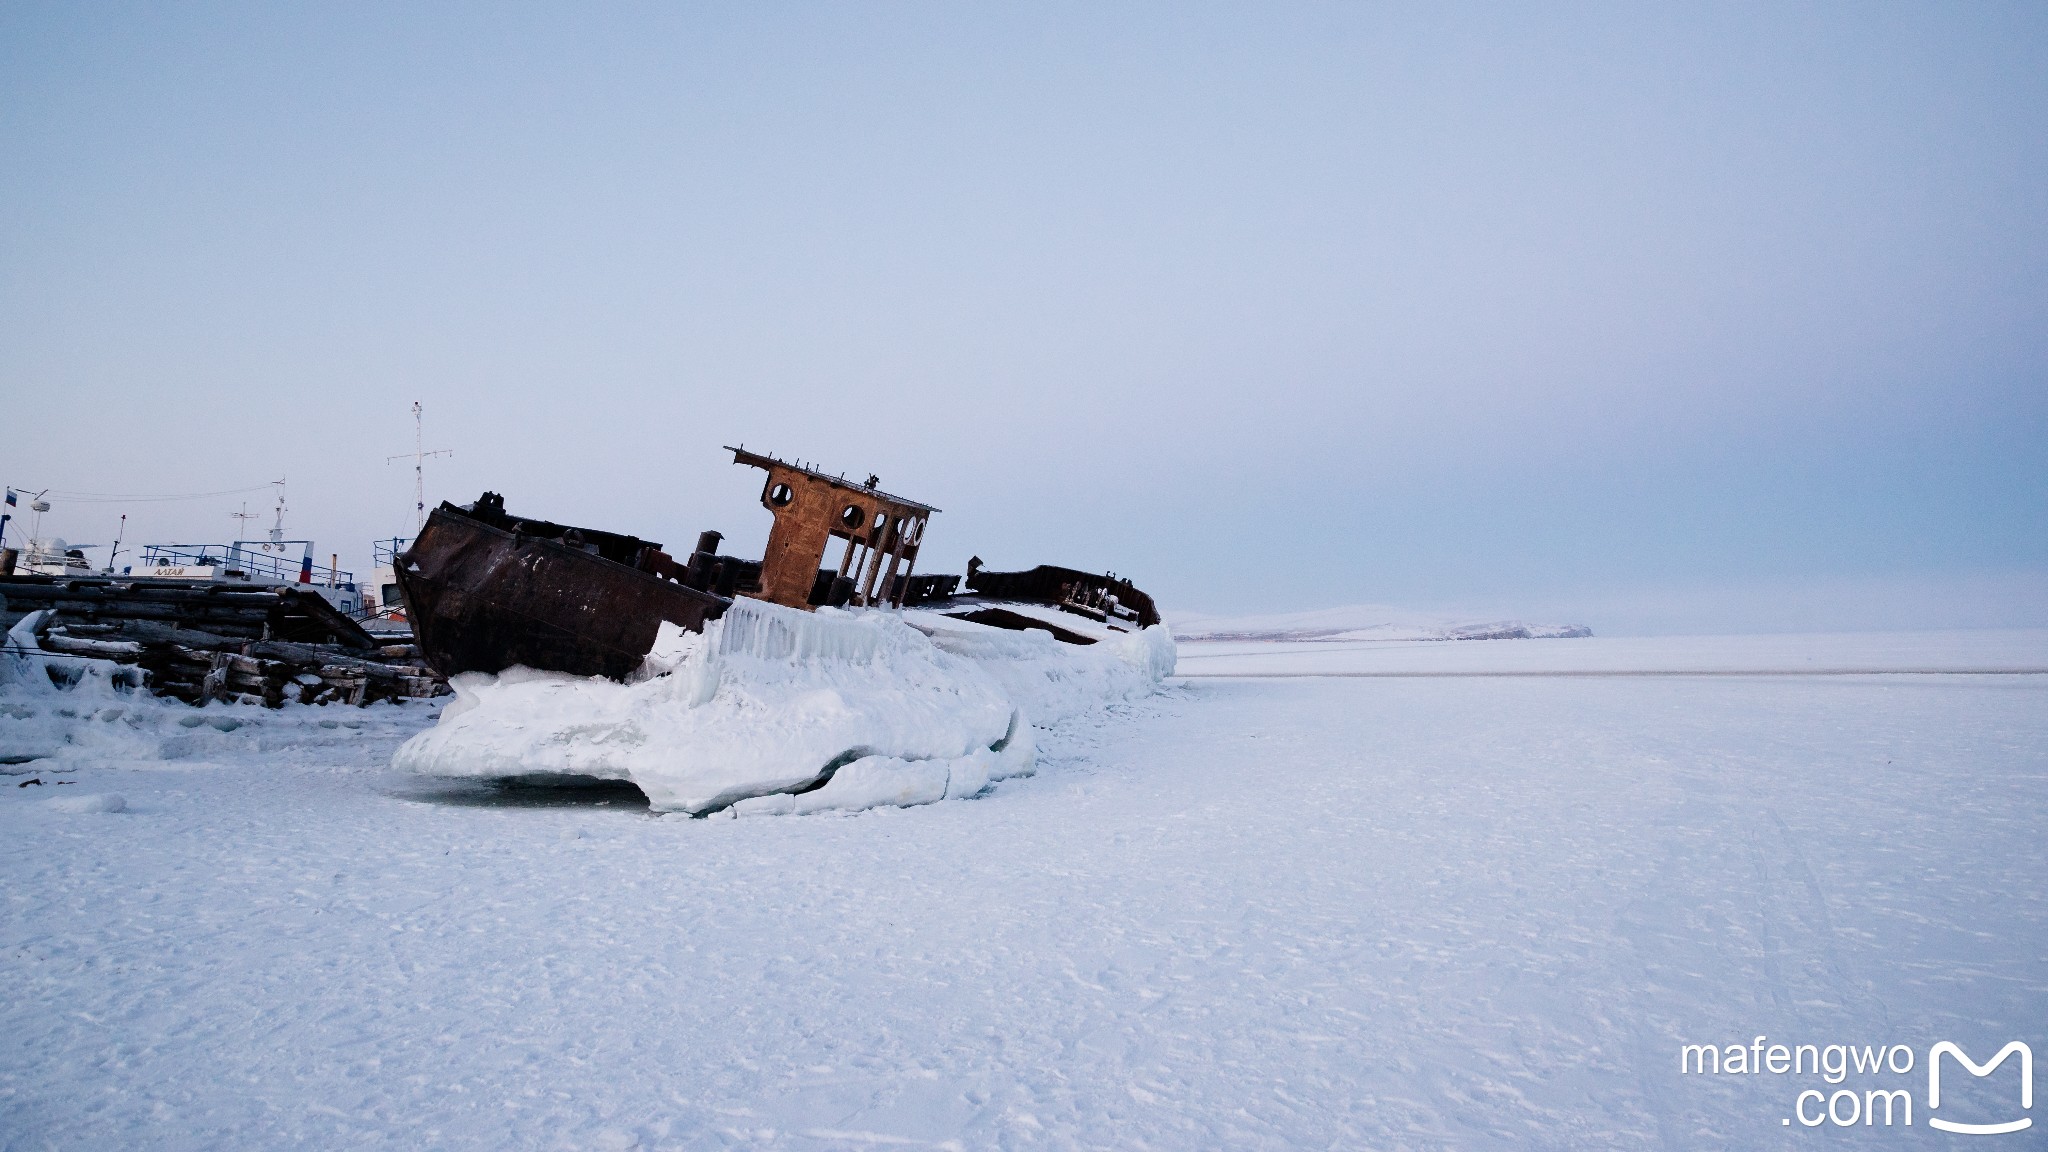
(813, 510)
(486, 590)
(1101, 598)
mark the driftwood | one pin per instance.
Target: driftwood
(246, 612)
(153, 632)
(201, 642)
(118, 650)
(277, 673)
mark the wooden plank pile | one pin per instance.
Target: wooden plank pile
(206, 641)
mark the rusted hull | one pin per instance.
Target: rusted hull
(1070, 590)
(482, 599)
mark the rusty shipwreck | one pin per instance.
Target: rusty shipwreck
(486, 590)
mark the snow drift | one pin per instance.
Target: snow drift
(772, 710)
(59, 713)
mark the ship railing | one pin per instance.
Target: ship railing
(257, 559)
(382, 612)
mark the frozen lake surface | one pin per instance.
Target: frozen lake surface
(1278, 912)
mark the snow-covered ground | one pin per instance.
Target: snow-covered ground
(1329, 911)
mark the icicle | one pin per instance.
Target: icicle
(771, 632)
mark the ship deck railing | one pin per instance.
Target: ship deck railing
(257, 559)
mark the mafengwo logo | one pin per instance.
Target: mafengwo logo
(1946, 1048)
(1860, 1105)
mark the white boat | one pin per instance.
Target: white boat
(253, 562)
(53, 557)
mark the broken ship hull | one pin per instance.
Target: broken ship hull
(1101, 598)
(483, 598)
(486, 590)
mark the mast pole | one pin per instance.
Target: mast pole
(419, 456)
(419, 465)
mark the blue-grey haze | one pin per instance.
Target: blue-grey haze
(1658, 317)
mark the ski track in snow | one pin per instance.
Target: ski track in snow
(1383, 913)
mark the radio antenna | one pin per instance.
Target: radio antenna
(419, 457)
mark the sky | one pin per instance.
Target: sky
(1652, 318)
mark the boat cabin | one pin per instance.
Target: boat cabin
(814, 512)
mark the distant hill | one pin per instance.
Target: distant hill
(1360, 622)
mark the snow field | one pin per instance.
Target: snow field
(98, 718)
(88, 802)
(1354, 622)
(2008, 651)
(1423, 913)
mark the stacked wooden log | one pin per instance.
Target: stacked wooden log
(205, 641)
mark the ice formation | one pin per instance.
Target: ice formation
(46, 702)
(769, 711)
(772, 710)
(27, 671)
(59, 713)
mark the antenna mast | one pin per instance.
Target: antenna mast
(419, 461)
(37, 505)
(277, 530)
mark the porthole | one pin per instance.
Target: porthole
(779, 495)
(881, 518)
(851, 516)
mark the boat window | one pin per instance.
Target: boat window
(851, 516)
(779, 495)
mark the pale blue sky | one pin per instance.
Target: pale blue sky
(1658, 317)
